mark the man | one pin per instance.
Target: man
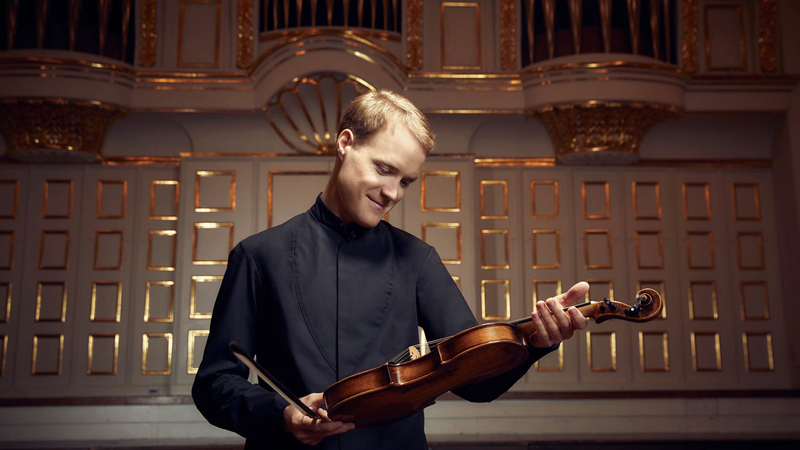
(336, 291)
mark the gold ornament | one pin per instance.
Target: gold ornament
(56, 130)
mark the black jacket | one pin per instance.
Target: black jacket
(317, 302)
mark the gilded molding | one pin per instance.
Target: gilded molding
(289, 111)
(601, 132)
(56, 130)
(508, 35)
(414, 44)
(767, 33)
(244, 46)
(149, 34)
(690, 47)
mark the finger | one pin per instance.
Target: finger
(542, 337)
(578, 319)
(314, 400)
(327, 427)
(573, 294)
(562, 320)
(549, 323)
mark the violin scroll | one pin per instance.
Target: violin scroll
(648, 306)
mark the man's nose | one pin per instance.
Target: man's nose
(392, 191)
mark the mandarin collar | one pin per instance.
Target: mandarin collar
(325, 216)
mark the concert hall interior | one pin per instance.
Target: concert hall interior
(629, 143)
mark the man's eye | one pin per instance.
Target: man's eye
(404, 183)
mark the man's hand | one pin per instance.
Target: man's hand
(553, 325)
(311, 431)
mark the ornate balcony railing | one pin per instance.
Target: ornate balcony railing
(553, 28)
(377, 15)
(100, 27)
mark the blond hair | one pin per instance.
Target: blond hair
(370, 112)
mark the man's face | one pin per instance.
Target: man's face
(375, 173)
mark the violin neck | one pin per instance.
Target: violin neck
(527, 328)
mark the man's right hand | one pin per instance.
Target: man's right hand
(311, 431)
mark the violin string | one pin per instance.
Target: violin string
(432, 345)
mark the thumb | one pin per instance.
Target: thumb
(574, 293)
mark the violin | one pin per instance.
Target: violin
(411, 381)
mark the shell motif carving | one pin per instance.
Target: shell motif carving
(306, 112)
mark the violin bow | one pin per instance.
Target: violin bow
(272, 381)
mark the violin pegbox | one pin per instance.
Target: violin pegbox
(648, 306)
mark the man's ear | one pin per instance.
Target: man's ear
(344, 142)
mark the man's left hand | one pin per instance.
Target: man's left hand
(552, 324)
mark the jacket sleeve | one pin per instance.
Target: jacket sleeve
(444, 312)
(221, 390)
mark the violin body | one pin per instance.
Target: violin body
(395, 391)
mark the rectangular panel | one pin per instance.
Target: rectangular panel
(597, 249)
(649, 250)
(285, 188)
(106, 301)
(102, 354)
(746, 201)
(495, 300)
(544, 199)
(440, 191)
(659, 287)
(156, 353)
(5, 301)
(9, 199)
(706, 352)
(6, 250)
(202, 294)
(197, 343)
(552, 362)
(494, 199)
(460, 44)
(700, 249)
(457, 280)
(53, 250)
(601, 351)
(214, 190)
(199, 33)
(159, 301)
(595, 198)
(546, 249)
(703, 300)
(544, 289)
(209, 241)
(48, 353)
(51, 301)
(725, 37)
(750, 250)
(654, 351)
(57, 202)
(754, 300)
(108, 249)
(600, 289)
(696, 201)
(446, 238)
(758, 355)
(646, 200)
(164, 196)
(161, 248)
(495, 253)
(111, 198)
(3, 353)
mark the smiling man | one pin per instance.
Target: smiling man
(336, 291)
